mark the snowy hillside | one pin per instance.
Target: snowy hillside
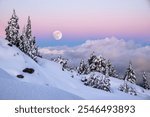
(49, 81)
(14, 89)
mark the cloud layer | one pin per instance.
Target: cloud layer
(119, 51)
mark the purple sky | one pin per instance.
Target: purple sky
(80, 20)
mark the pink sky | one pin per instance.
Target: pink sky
(86, 17)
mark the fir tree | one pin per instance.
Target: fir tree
(92, 57)
(111, 70)
(31, 47)
(63, 62)
(91, 62)
(12, 30)
(90, 80)
(29, 38)
(103, 65)
(107, 70)
(98, 82)
(145, 82)
(28, 29)
(58, 59)
(130, 74)
(106, 84)
(97, 64)
(83, 68)
(23, 41)
(127, 89)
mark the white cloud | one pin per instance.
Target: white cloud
(49, 52)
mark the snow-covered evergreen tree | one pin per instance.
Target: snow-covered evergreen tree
(90, 80)
(83, 68)
(12, 30)
(130, 74)
(91, 62)
(127, 89)
(145, 82)
(23, 40)
(29, 38)
(103, 65)
(56, 59)
(106, 84)
(34, 49)
(97, 64)
(111, 70)
(63, 62)
(107, 70)
(100, 64)
(92, 57)
(98, 82)
(31, 47)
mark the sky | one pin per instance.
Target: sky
(80, 20)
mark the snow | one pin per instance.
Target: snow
(49, 81)
(15, 89)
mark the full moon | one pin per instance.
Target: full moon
(57, 35)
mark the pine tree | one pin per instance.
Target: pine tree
(107, 70)
(30, 43)
(127, 89)
(83, 68)
(98, 82)
(22, 45)
(64, 64)
(91, 62)
(106, 84)
(145, 82)
(111, 70)
(29, 37)
(58, 59)
(28, 29)
(130, 74)
(103, 65)
(97, 64)
(124, 87)
(90, 80)
(92, 57)
(12, 30)
(34, 49)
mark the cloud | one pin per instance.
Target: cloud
(119, 51)
(49, 52)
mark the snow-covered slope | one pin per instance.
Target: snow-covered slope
(15, 89)
(48, 81)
